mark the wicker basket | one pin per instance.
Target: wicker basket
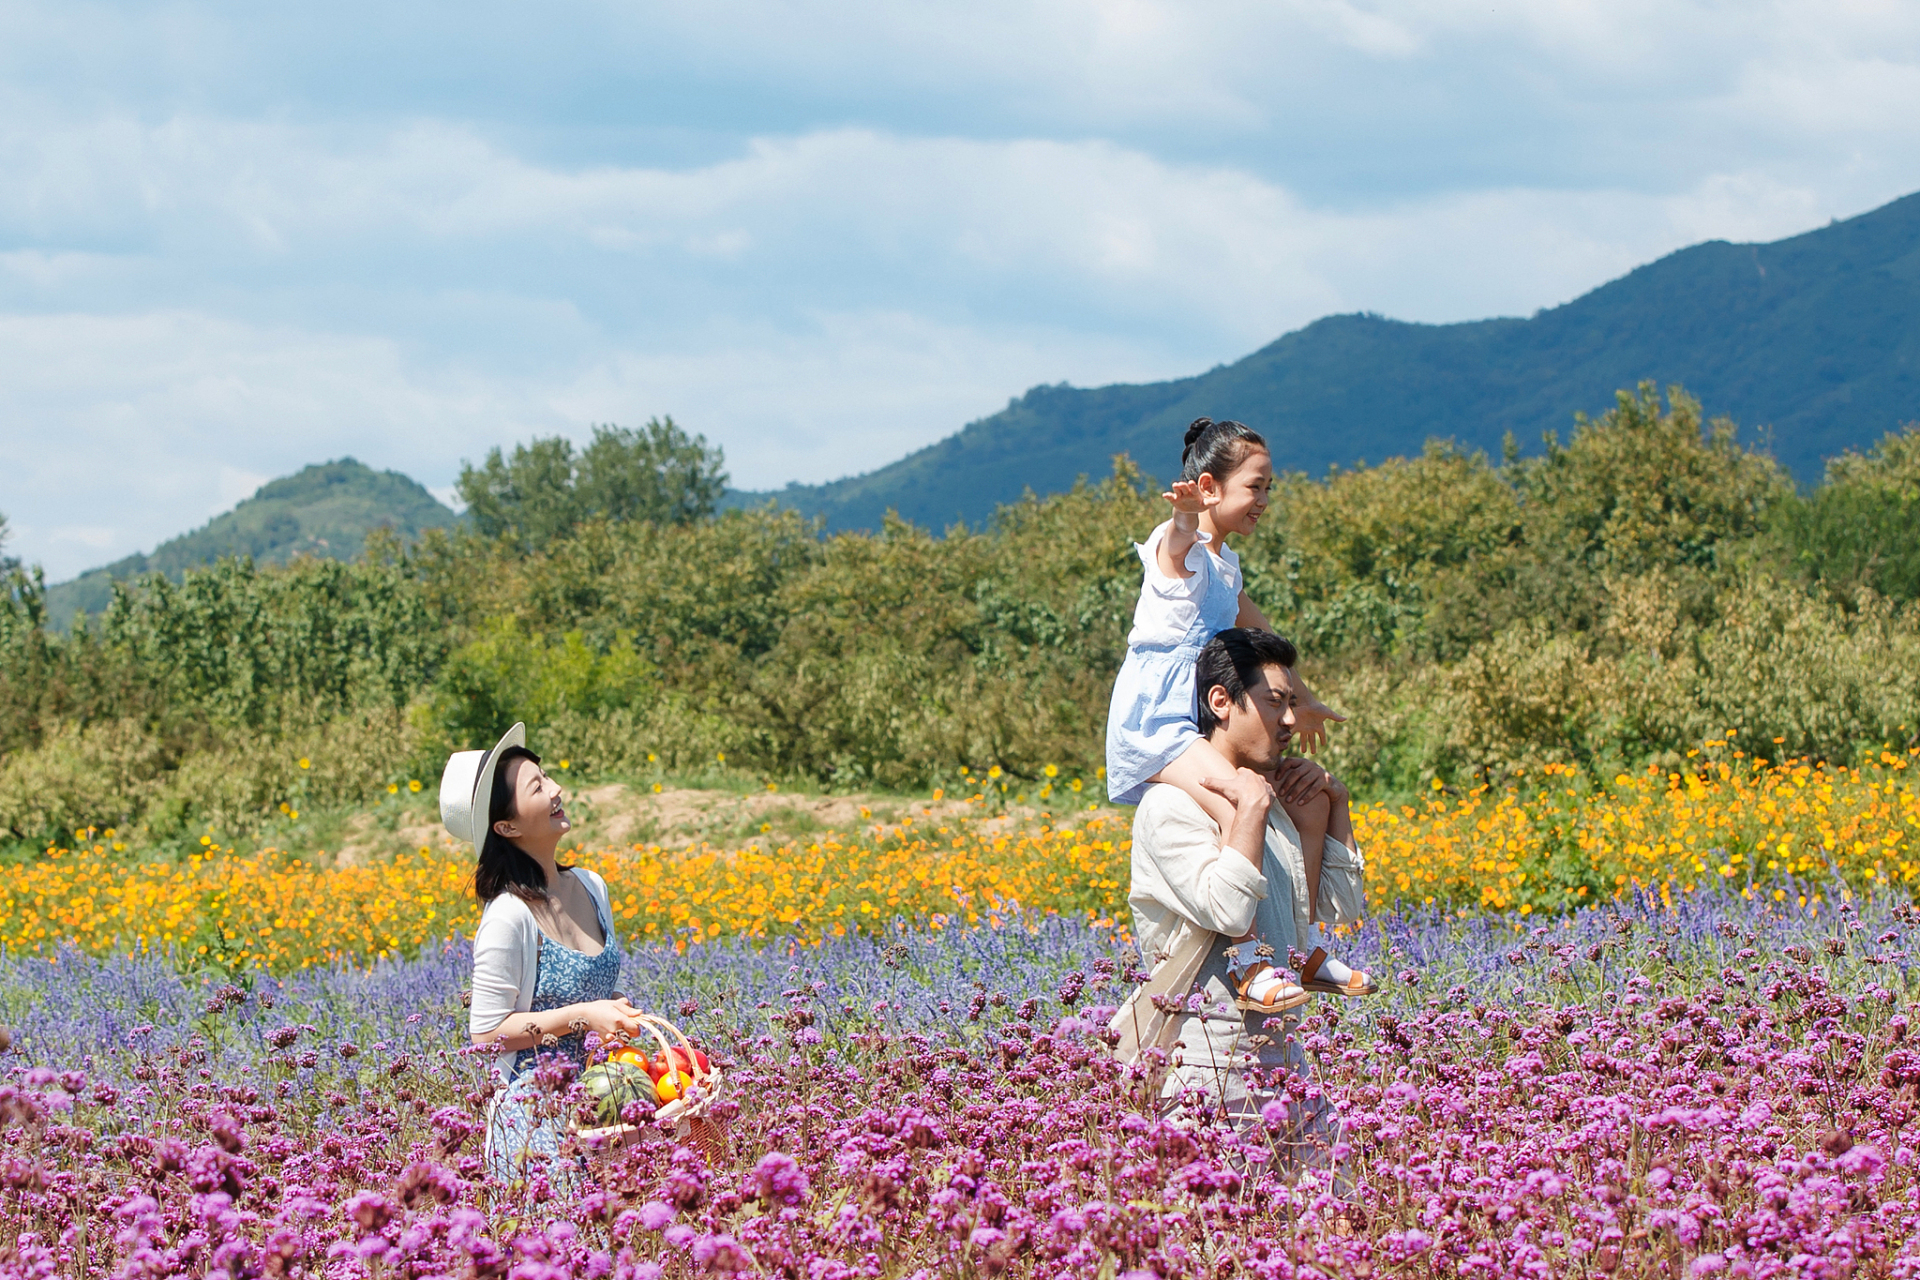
(688, 1114)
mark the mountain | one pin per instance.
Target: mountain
(323, 510)
(1811, 344)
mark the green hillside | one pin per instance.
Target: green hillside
(1813, 340)
(326, 509)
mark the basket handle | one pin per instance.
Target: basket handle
(660, 1028)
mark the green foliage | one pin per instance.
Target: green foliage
(502, 675)
(1862, 528)
(328, 510)
(240, 646)
(658, 473)
(1645, 585)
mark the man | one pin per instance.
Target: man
(1195, 888)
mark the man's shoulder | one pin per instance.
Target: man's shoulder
(1164, 808)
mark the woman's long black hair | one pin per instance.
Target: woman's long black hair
(1218, 448)
(504, 866)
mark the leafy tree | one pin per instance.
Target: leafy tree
(1639, 488)
(1862, 528)
(7, 563)
(544, 491)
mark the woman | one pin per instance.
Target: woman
(545, 965)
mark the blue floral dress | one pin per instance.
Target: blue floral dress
(528, 1126)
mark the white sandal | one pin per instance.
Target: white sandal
(1261, 989)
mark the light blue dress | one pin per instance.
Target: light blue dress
(528, 1126)
(1154, 717)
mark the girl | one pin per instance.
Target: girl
(545, 962)
(1192, 593)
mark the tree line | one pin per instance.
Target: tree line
(1645, 584)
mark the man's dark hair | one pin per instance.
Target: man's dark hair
(1233, 660)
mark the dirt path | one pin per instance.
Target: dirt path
(618, 815)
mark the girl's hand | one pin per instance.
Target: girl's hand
(1310, 719)
(1188, 499)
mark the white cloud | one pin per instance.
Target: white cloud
(236, 485)
(126, 409)
(233, 242)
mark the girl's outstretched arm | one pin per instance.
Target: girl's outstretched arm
(1310, 717)
(1188, 503)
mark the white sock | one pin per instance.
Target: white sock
(1333, 971)
(1247, 961)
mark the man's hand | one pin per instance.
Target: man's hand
(1251, 797)
(1244, 789)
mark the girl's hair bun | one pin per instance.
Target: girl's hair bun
(1194, 432)
(1217, 448)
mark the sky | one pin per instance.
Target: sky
(237, 239)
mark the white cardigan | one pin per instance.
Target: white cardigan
(506, 961)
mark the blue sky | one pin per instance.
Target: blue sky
(235, 240)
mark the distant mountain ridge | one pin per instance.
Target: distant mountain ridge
(326, 509)
(1814, 339)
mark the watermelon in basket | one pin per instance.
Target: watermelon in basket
(682, 1084)
(614, 1085)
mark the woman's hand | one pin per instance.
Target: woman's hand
(609, 1019)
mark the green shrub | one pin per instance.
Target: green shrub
(1645, 585)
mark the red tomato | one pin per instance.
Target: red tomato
(694, 1064)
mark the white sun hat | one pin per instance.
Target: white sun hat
(466, 787)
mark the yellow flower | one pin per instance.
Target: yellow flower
(1486, 849)
(1052, 771)
(994, 772)
(305, 763)
(566, 764)
(393, 788)
(413, 784)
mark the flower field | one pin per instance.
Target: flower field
(1727, 1086)
(1647, 1025)
(1564, 841)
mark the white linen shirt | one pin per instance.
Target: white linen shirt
(506, 961)
(1182, 871)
